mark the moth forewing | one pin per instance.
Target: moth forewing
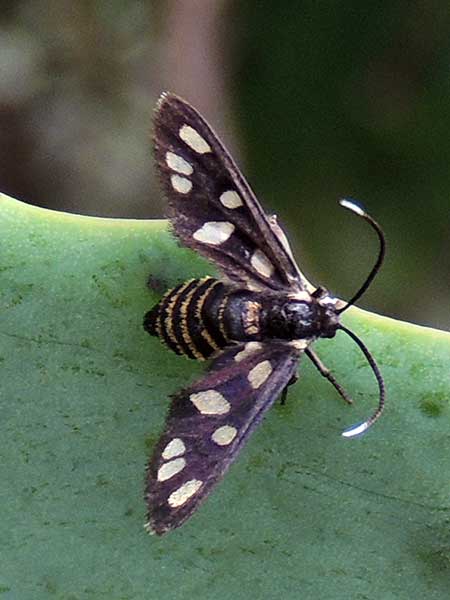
(208, 424)
(211, 206)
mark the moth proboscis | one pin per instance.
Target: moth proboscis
(254, 324)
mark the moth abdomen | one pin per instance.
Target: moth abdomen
(151, 319)
(187, 318)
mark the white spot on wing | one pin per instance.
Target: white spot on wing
(194, 140)
(249, 349)
(262, 264)
(231, 199)
(210, 402)
(300, 344)
(174, 448)
(171, 468)
(224, 435)
(259, 374)
(178, 164)
(183, 493)
(181, 184)
(214, 232)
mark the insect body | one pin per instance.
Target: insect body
(255, 324)
(202, 316)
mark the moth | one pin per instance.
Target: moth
(255, 323)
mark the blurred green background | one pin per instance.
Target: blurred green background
(318, 100)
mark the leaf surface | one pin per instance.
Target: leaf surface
(304, 513)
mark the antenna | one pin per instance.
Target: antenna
(361, 427)
(360, 212)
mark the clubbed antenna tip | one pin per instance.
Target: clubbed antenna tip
(356, 430)
(352, 206)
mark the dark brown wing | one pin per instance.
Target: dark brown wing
(211, 206)
(207, 425)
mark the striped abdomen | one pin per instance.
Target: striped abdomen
(189, 318)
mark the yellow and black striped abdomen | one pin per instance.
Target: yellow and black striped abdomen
(188, 318)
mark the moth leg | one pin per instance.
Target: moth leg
(325, 372)
(283, 397)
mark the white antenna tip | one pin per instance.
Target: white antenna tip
(352, 206)
(356, 430)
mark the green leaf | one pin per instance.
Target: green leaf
(304, 513)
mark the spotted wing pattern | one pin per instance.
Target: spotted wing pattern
(211, 206)
(207, 425)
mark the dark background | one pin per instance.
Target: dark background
(318, 100)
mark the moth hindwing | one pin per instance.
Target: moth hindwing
(255, 323)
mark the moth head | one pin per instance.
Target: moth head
(325, 308)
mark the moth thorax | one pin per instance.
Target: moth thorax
(297, 319)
